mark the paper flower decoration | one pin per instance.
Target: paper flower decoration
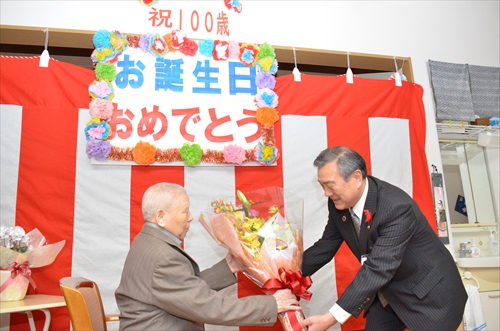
(157, 45)
(234, 154)
(189, 47)
(233, 4)
(265, 80)
(206, 47)
(105, 71)
(274, 68)
(168, 40)
(248, 54)
(266, 50)
(97, 129)
(233, 49)
(101, 89)
(220, 52)
(101, 108)
(266, 154)
(267, 116)
(104, 55)
(98, 149)
(145, 41)
(118, 41)
(102, 39)
(133, 41)
(144, 153)
(148, 3)
(266, 98)
(265, 64)
(177, 38)
(191, 154)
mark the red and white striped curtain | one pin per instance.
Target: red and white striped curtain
(48, 182)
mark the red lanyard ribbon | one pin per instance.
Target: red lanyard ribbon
(18, 269)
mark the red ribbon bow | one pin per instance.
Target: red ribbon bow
(297, 283)
(368, 215)
(18, 269)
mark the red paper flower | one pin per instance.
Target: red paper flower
(189, 47)
(368, 216)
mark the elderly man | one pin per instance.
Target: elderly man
(407, 277)
(162, 287)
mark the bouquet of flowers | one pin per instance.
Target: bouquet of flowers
(265, 237)
(20, 251)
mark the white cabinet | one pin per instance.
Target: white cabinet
(490, 303)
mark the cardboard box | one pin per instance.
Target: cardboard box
(481, 121)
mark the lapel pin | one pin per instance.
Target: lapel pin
(343, 218)
(368, 227)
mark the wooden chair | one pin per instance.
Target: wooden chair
(84, 303)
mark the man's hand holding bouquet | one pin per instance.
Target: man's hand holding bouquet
(264, 235)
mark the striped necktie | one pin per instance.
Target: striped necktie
(355, 221)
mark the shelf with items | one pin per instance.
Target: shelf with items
(466, 228)
(459, 131)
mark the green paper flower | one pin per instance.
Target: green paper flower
(191, 154)
(266, 50)
(105, 71)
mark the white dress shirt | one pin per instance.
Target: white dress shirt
(340, 314)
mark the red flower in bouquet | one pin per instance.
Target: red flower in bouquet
(266, 239)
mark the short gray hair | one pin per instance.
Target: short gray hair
(159, 196)
(347, 160)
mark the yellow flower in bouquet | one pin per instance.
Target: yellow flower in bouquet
(20, 251)
(266, 238)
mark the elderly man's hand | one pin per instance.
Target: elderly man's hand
(286, 300)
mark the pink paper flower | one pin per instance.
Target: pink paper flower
(234, 154)
(96, 132)
(233, 49)
(101, 108)
(101, 89)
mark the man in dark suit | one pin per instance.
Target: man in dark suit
(407, 278)
(162, 287)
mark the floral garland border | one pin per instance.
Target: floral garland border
(110, 44)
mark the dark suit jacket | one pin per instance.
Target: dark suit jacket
(162, 289)
(407, 262)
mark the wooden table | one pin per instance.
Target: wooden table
(33, 302)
